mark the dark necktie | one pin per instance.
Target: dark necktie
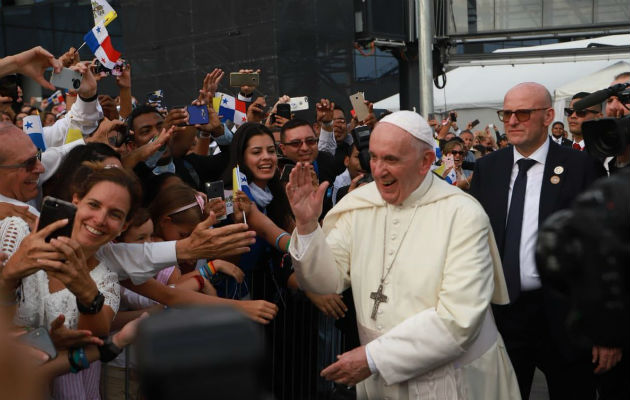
(512, 238)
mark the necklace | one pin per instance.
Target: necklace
(378, 296)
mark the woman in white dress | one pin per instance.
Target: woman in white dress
(77, 284)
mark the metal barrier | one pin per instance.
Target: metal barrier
(300, 342)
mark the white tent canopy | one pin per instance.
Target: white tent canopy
(478, 91)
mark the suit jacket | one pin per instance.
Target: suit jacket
(490, 186)
(565, 142)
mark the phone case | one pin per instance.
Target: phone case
(299, 103)
(286, 171)
(40, 339)
(238, 79)
(53, 210)
(284, 110)
(215, 189)
(66, 79)
(359, 106)
(198, 115)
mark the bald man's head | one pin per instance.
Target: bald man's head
(527, 115)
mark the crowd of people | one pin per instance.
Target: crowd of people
(428, 249)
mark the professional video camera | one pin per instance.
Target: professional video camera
(606, 137)
(584, 254)
(361, 137)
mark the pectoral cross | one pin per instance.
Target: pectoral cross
(378, 298)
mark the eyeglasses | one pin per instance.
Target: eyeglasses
(521, 115)
(29, 164)
(580, 113)
(310, 141)
(458, 153)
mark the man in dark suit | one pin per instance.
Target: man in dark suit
(519, 187)
(557, 134)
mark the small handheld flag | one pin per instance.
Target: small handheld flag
(239, 182)
(33, 128)
(99, 42)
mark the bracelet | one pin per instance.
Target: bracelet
(280, 236)
(286, 250)
(204, 273)
(200, 281)
(78, 360)
(213, 269)
(89, 99)
(108, 351)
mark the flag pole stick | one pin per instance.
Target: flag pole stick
(80, 47)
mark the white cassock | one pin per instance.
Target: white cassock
(434, 337)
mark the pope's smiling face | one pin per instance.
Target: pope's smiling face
(399, 162)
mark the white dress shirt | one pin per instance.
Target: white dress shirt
(557, 140)
(530, 279)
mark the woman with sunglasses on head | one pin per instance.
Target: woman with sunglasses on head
(74, 283)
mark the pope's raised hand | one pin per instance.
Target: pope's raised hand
(305, 199)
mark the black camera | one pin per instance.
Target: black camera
(583, 254)
(76, 83)
(361, 137)
(606, 137)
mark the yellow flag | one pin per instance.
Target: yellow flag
(216, 103)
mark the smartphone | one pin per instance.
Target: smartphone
(40, 339)
(215, 190)
(198, 115)
(66, 79)
(359, 106)
(448, 161)
(53, 210)
(100, 69)
(474, 123)
(453, 117)
(299, 103)
(284, 110)
(286, 171)
(238, 79)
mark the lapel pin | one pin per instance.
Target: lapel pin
(555, 179)
(558, 170)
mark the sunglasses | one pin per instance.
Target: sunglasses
(580, 113)
(458, 153)
(521, 115)
(310, 141)
(29, 164)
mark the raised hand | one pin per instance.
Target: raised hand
(210, 86)
(324, 111)
(31, 63)
(73, 272)
(247, 89)
(222, 242)
(176, 118)
(70, 57)
(217, 206)
(145, 151)
(305, 198)
(88, 83)
(256, 110)
(124, 80)
(30, 254)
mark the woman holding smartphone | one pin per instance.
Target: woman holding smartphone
(75, 283)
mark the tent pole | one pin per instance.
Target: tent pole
(424, 24)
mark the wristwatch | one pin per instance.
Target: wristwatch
(94, 307)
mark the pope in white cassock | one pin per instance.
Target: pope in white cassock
(423, 265)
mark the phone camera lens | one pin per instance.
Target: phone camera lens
(76, 83)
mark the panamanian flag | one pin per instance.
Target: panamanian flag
(99, 42)
(232, 109)
(33, 128)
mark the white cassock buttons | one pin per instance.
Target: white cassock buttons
(380, 327)
(395, 221)
(390, 252)
(394, 236)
